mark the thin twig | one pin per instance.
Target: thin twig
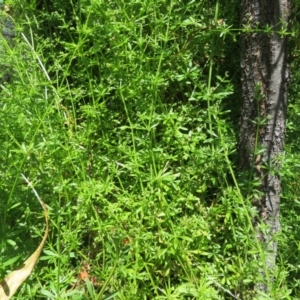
(220, 286)
(34, 190)
(38, 58)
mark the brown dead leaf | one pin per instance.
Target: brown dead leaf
(12, 281)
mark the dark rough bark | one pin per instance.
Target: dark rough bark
(265, 76)
(7, 33)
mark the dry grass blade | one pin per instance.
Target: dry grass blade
(12, 281)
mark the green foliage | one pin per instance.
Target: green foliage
(290, 207)
(123, 114)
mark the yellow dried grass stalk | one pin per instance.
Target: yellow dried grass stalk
(12, 281)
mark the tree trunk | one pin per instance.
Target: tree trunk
(8, 34)
(265, 76)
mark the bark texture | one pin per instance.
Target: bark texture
(265, 77)
(7, 30)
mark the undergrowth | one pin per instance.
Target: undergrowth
(123, 114)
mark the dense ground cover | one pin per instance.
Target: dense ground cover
(124, 116)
